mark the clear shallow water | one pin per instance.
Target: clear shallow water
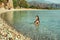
(49, 28)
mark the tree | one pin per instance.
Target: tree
(23, 3)
(15, 3)
(20, 3)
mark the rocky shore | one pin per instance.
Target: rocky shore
(9, 33)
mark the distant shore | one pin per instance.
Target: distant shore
(2, 10)
(6, 10)
(21, 9)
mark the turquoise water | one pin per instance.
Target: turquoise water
(48, 29)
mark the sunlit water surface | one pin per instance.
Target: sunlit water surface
(48, 29)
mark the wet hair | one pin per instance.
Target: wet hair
(38, 17)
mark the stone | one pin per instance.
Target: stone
(10, 39)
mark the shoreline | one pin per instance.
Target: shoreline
(11, 29)
(22, 9)
(8, 32)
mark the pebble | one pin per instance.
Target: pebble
(8, 33)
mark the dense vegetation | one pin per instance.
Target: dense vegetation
(1, 0)
(4, 1)
(33, 4)
(39, 5)
(20, 3)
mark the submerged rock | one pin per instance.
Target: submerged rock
(9, 33)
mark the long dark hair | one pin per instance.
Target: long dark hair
(38, 17)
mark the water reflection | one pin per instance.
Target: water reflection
(24, 23)
(8, 17)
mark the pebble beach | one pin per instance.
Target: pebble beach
(10, 33)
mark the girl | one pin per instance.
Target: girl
(37, 20)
